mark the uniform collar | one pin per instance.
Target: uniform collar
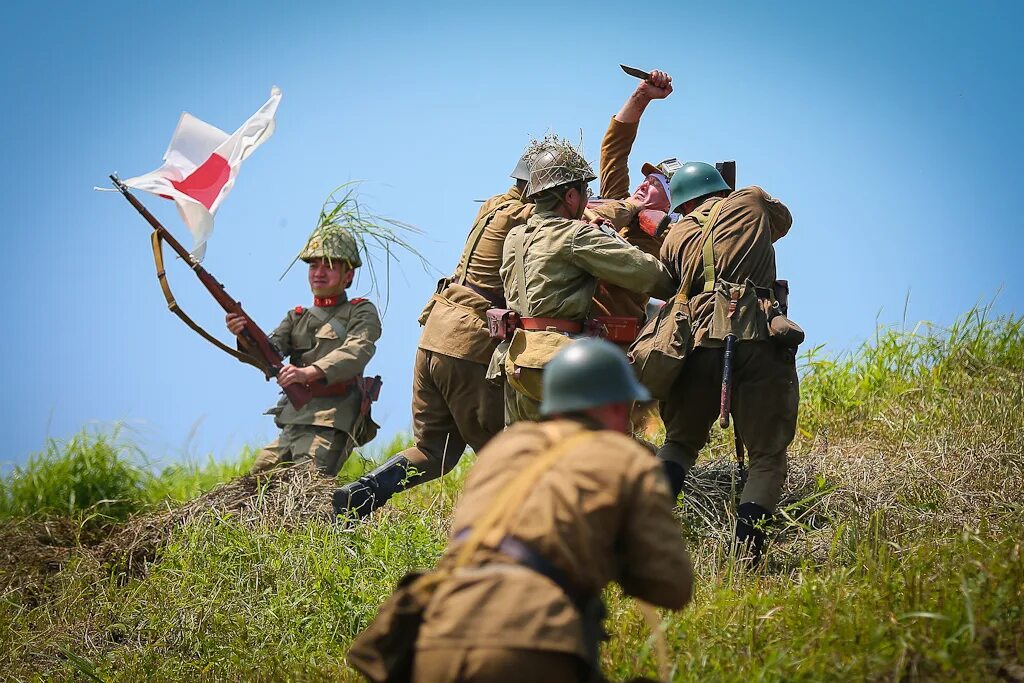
(329, 301)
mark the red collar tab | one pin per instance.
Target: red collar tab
(326, 301)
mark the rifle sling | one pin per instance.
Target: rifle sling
(161, 275)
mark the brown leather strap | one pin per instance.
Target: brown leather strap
(161, 275)
(569, 326)
(337, 389)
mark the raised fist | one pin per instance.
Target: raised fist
(657, 88)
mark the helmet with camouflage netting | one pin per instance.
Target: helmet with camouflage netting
(331, 241)
(555, 163)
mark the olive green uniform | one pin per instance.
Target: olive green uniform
(600, 513)
(453, 403)
(340, 341)
(765, 385)
(562, 260)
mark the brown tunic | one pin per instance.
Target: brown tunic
(602, 513)
(456, 323)
(750, 222)
(615, 148)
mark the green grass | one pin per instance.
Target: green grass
(898, 559)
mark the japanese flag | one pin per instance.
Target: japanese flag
(200, 166)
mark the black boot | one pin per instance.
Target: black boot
(751, 537)
(676, 475)
(373, 490)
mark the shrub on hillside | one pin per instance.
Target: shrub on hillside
(91, 473)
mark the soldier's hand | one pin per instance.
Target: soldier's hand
(658, 88)
(235, 323)
(290, 374)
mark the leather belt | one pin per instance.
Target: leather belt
(523, 555)
(559, 324)
(337, 389)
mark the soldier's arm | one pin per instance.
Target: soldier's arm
(350, 359)
(780, 220)
(620, 212)
(604, 254)
(615, 149)
(281, 337)
(655, 564)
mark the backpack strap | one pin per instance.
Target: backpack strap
(474, 239)
(494, 523)
(707, 242)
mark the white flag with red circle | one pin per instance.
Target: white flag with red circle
(201, 164)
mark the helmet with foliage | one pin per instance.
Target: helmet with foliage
(587, 374)
(695, 179)
(332, 242)
(556, 163)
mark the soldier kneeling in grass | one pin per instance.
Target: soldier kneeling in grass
(551, 513)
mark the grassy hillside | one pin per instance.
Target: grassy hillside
(898, 556)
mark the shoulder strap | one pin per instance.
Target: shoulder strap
(340, 327)
(519, 246)
(494, 522)
(161, 275)
(707, 242)
(474, 239)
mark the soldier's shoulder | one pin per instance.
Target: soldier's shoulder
(363, 306)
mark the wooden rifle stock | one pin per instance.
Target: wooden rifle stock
(256, 338)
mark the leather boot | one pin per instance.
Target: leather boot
(676, 475)
(373, 490)
(751, 537)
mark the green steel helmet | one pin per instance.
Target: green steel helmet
(331, 241)
(695, 179)
(556, 162)
(589, 373)
(522, 169)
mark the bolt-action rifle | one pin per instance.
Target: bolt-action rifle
(265, 355)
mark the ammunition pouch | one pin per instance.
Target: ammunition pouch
(738, 312)
(528, 353)
(365, 429)
(501, 323)
(662, 345)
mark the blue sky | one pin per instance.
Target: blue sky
(890, 129)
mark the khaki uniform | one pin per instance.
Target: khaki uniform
(340, 341)
(453, 403)
(601, 513)
(765, 384)
(562, 261)
(618, 140)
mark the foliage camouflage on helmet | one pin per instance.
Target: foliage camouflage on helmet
(695, 179)
(332, 242)
(587, 374)
(556, 162)
(346, 230)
